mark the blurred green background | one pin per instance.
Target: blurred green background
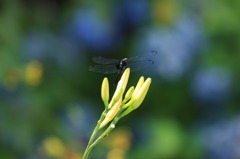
(50, 102)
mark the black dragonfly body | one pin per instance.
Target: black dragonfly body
(108, 65)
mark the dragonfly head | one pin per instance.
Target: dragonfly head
(125, 60)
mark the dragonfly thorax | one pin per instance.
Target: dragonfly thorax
(122, 65)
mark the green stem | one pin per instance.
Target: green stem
(108, 130)
(93, 136)
(92, 144)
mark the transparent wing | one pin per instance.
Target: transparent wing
(105, 69)
(137, 66)
(103, 60)
(148, 57)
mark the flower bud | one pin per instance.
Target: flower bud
(120, 87)
(111, 113)
(137, 98)
(138, 86)
(128, 94)
(105, 91)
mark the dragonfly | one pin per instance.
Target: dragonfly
(110, 65)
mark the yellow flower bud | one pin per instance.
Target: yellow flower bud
(124, 79)
(120, 87)
(105, 91)
(111, 113)
(118, 95)
(128, 104)
(138, 86)
(138, 98)
(141, 94)
(128, 94)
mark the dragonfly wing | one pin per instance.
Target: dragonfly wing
(136, 66)
(105, 69)
(103, 60)
(148, 57)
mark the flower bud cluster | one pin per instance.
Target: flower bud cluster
(119, 106)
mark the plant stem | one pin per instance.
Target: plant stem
(91, 144)
(97, 141)
(109, 129)
(96, 129)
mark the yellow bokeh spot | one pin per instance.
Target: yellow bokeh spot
(70, 154)
(76, 156)
(54, 147)
(34, 72)
(164, 11)
(116, 154)
(122, 139)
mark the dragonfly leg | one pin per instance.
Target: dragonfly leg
(118, 77)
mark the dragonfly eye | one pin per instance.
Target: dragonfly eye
(125, 60)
